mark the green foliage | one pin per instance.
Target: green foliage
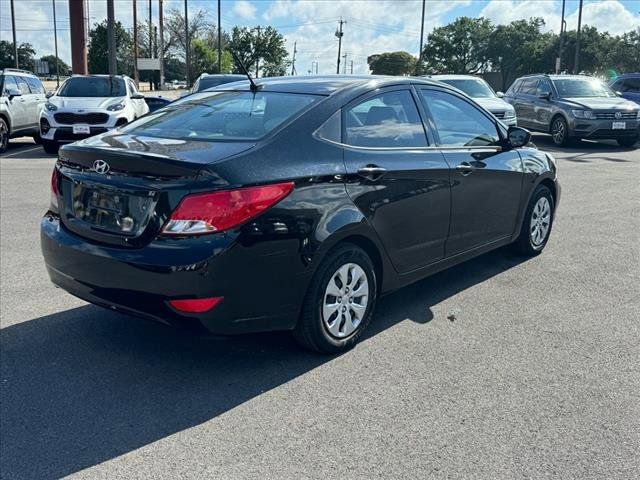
(53, 65)
(204, 58)
(265, 48)
(98, 57)
(25, 55)
(392, 63)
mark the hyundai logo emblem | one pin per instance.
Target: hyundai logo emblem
(618, 115)
(100, 166)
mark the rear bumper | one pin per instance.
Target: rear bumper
(262, 291)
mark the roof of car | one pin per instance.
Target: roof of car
(16, 71)
(323, 84)
(454, 77)
(558, 76)
(628, 75)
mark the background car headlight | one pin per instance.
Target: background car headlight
(116, 107)
(50, 106)
(509, 114)
(584, 114)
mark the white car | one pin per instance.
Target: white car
(483, 94)
(86, 105)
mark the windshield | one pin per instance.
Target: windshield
(222, 116)
(582, 87)
(93, 87)
(475, 88)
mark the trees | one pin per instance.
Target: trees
(98, 58)
(459, 47)
(53, 65)
(392, 63)
(25, 55)
(264, 47)
(204, 58)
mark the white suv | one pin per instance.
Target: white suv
(86, 105)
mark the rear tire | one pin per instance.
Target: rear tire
(560, 132)
(628, 142)
(537, 223)
(333, 323)
(50, 147)
(4, 135)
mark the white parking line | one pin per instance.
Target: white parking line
(20, 152)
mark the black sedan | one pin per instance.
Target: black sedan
(293, 205)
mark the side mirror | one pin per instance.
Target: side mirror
(13, 92)
(499, 94)
(619, 93)
(137, 96)
(544, 95)
(518, 137)
(50, 94)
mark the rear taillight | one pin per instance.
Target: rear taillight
(55, 189)
(195, 305)
(218, 211)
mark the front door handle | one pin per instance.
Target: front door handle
(372, 172)
(465, 169)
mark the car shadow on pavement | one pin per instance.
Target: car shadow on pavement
(86, 385)
(583, 151)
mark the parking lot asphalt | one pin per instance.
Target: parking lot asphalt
(498, 368)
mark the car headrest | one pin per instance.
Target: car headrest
(377, 115)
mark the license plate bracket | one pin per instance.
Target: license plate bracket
(619, 125)
(81, 130)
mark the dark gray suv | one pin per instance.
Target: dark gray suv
(572, 107)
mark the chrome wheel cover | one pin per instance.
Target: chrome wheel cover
(559, 131)
(345, 300)
(540, 221)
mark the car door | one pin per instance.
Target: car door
(397, 180)
(486, 179)
(524, 102)
(15, 105)
(542, 105)
(37, 99)
(139, 105)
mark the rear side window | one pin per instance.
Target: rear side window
(22, 85)
(34, 85)
(389, 120)
(459, 123)
(219, 116)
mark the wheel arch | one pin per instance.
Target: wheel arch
(5, 117)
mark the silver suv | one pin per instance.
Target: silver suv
(22, 96)
(572, 107)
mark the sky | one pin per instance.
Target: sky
(372, 26)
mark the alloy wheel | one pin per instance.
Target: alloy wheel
(559, 132)
(345, 300)
(540, 221)
(4, 136)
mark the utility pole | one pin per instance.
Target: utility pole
(419, 66)
(351, 67)
(345, 63)
(136, 77)
(293, 62)
(576, 60)
(258, 28)
(339, 34)
(13, 29)
(161, 49)
(78, 37)
(55, 42)
(186, 42)
(219, 40)
(562, 32)
(111, 38)
(150, 30)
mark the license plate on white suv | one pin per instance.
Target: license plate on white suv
(619, 125)
(84, 129)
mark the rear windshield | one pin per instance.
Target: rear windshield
(473, 88)
(579, 87)
(222, 116)
(93, 87)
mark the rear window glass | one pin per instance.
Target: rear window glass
(222, 116)
(212, 81)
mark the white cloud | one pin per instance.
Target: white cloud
(244, 9)
(608, 15)
(506, 11)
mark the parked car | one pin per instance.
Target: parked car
(22, 96)
(293, 205)
(207, 80)
(572, 107)
(482, 93)
(154, 103)
(627, 86)
(86, 105)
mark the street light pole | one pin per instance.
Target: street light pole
(161, 48)
(421, 37)
(136, 76)
(562, 32)
(151, 72)
(13, 29)
(219, 40)
(111, 38)
(186, 42)
(576, 60)
(339, 34)
(55, 42)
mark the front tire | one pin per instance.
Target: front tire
(339, 303)
(628, 142)
(537, 223)
(50, 147)
(560, 132)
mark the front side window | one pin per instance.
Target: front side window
(529, 86)
(582, 87)
(475, 88)
(628, 85)
(220, 116)
(388, 120)
(35, 85)
(93, 87)
(9, 84)
(459, 123)
(514, 87)
(23, 86)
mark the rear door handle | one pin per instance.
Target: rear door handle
(465, 169)
(372, 172)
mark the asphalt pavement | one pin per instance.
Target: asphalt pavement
(498, 368)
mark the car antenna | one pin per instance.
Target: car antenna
(253, 87)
